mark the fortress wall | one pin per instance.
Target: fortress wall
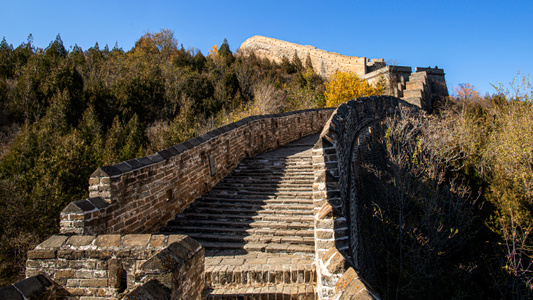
(102, 267)
(436, 80)
(325, 63)
(143, 194)
(335, 193)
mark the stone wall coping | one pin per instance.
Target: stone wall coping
(137, 163)
(60, 245)
(86, 205)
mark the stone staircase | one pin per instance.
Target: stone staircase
(417, 89)
(256, 226)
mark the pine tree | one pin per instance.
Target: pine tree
(296, 62)
(56, 49)
(308, 62)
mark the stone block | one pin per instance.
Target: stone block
(80, 240)
(108, 240)
(157, 241)
(53, 242)
(41, 254)
(81, 264)
(324, 234)
(61, 274)
(70, 254)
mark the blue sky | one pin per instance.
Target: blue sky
(479, 42)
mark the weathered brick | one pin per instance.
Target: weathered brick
(54, 241)
(94, 282)
(41, 254)
(80, 240)
(108, 240)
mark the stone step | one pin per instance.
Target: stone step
(259, 269)
(282, 186)
(244, 193)
(221, 205)
(419, 76)
(268, 156)
(412, 93)
(280, 291)
(262, 181)
(265, 169)
(414, 85)
(246, 231)
(276, 163)
(244, 218)
(259, 247)
(176, 224)
(264, 188)
(254, 238)
(273, 175)
(250, 199)
(197, 208)
(269, 175)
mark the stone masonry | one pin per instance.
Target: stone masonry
(284, 225)
(101, 251)
(338, 255)
(106, 266)
(257, 227)
(141, 195)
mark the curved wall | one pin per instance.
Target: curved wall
(335, 193)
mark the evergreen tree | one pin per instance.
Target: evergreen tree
(199, 61)
(296, 62)
(6, 57)
(225, 52)
(308, 62)
(286, 66)
(56, 49)
(224, 49)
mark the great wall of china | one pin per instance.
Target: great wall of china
(257, 209)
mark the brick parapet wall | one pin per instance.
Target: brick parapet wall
(141, 195)
(93, 266)
(335, 195)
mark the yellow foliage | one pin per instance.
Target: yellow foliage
(466, 91)
(344, 86)
(512, 154)
(213, 52)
